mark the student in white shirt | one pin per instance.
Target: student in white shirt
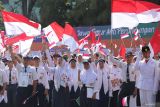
(3, 84)
(149, 78)
(103, 85)
(27, 81)
(3, 98)
(80, 62)
(116, 81)
(74, 83)
(128, 88)
(61, 82)
(43, 85)
(12, 75)
(88, 78)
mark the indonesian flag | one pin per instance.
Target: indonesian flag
(23, 47)
(136, 37)
(15, 39)
(115, 46)
(101, 51)
(124, 102)
(2, 33)
(93, 38)
(123, 36)
(122, 51)
(20, 44)
(70, 38)
(154, 43)
(2, 46)
(99, 39)
(83, 41)
(136, 34)
(129, 13)
(16, 24)
(54, 33)
(86, 56)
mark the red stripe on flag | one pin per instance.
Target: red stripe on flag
(16, 39)
(14, 17)
(132, 6)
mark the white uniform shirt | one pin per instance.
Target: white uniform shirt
(104, 77)
(149, 75)
(123, 66)
(30, 75)
(14, 75)
(2, 65)
(115, 77)
(3, 77)
(74, 78)
(88, 77)
(80, 66)
(42, 77)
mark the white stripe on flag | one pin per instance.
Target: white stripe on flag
(17, 28)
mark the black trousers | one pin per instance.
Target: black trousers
(104, 98)
(61, 97)
(158, 99)
(40, 98)
(22, 94)
(3, 104)
(127, 90)
(11, 95)
(74, 96)
(138, 99)
(114, 99)
(50, 92)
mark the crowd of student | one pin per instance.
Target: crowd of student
(72, 80)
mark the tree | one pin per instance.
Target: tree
(1, 20)
(77, 12)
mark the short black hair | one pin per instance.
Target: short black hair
(145, 49)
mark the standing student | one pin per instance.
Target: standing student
(61, 81)
(128, 89)
(103, 83)
(88, 78)
(74, 83)
(116, 81)
(43, 85)
(3, 84)
(12, 75)
(149, 78)
(27, 81)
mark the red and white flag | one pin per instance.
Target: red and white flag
(122, 51)
(154, 43)
(136, 34)
(21, 44)
(15, 39)
(70, 38)
(123, 36)
(129, 13)
(23, 47)
(83, 41)
(2, 45)
(136, 37)
(101, 51)
(93, 38)
(54, 33)
(16, 24)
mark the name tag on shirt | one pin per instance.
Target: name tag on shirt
(23, 80)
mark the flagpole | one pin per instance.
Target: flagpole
(131, 38)
(123, 43)
(20, 47)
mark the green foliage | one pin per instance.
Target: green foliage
(77, 12)
(1, 20)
